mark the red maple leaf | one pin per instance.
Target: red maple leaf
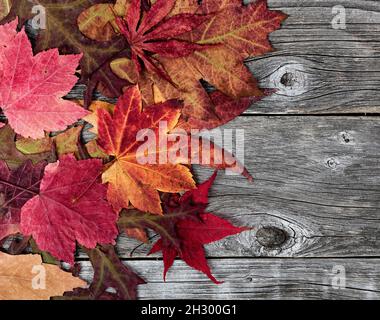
(70, 207)
(184, 228)
(154, 33)
(16, 188)
(32, 87)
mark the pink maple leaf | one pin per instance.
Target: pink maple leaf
(32, 87)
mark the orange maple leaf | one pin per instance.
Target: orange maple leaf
(131, 182)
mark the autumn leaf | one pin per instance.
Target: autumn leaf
(147, 33)
(109, 272)
(184, 228)
(131, 182)
(16, 188)
(31, 87)
(92, 118)
(63, 143)
(154, 34)
(136, 181)
(12, 156)
(233, 33)
(202, 110)
(139, 234)
(224, 110)
(95, 151)
(128, 180)
(235, 24)
(5, 7)
(30, 146)
(70, 207)
(243, 30)
(98, 21)
(62, 32)
(17, 273)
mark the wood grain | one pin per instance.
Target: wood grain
(316, 183)
(318, 69)
(260, 279)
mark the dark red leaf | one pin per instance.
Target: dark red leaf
(155, 32)
(184, 228)
(16, 188)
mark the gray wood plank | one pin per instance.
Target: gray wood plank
(316, 191)
(260, 279)
(318, 69)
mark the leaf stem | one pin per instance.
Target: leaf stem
(141, 244)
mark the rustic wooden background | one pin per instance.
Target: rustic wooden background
(314, 150)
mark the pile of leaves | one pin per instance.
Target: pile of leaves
(61, 194)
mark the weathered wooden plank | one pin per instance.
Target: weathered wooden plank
(316, 191)
(260, 279)
(319, 69)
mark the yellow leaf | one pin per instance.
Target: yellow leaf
(5, 8)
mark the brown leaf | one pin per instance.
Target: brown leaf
(109, 272)
(10, 154)
(17, 274)
(65, 142)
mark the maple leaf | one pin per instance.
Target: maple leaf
(243, 30)
(31, 87)
(98, 21)
(202, 110)
(70, 207)
(224, 110)
(16, 188)
(62, 32)
(235, 33)
(129, 181)
(185, 228)
(152, 33)
(12, 156)
(92, 118)
(109, 272)
(17, 274)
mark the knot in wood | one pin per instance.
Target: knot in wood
(331, 163)
(271, 237)
(346, 138)
(290, 80)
